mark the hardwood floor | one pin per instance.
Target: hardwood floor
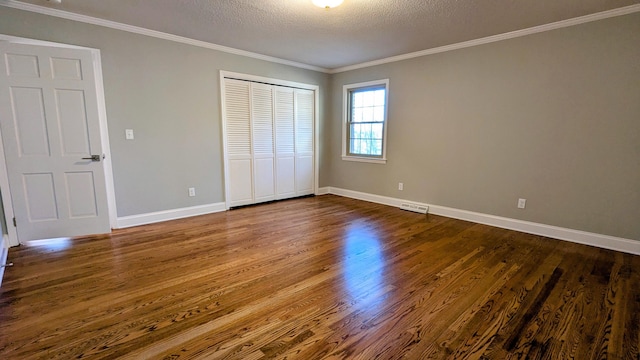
(319, 278)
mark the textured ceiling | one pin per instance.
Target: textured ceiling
(356, 32)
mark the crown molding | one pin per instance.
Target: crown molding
(153, 33)
(490, 39)
(203, 44)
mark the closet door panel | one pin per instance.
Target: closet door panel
(265, 183)
(240, 186)
(263, 142)
(285, 143)
(304, 175)
(304, 139)
(238, 142)
(286, 174)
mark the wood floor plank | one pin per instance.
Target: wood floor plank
(319, 278)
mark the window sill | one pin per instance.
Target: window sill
(364, 159)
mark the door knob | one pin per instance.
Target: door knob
(92, 158)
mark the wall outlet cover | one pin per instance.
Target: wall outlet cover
(522, 203)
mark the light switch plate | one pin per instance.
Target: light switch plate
(128, 134)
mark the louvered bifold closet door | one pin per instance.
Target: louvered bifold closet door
(304, 137)
(285, 143)
(263, 141)
(238, 136)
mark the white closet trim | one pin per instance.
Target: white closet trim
(266, 80)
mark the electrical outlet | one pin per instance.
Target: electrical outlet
(522, 203)
(128, 134)
(400, 186)
(192, 191)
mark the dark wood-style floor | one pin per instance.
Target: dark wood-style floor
(319, 278)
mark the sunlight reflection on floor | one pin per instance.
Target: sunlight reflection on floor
(57, 244)
(364, 266)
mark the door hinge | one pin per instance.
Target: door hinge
(15, 223)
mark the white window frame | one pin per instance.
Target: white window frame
(346, 108)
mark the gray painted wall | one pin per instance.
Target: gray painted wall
(169, 94)
(552, 117)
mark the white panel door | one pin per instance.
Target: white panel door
(49, 124)
(304, 137)
(262, 138)
(237, 109)
(285, 143)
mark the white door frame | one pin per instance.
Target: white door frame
(316, 152)
(104, 136)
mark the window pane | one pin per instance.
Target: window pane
(377, 147)
(379, 97)
(357, 115)
(368, 98)
(367, 114)
(364, 149)
(370, 149)
(357, 99)
(378, 113)
(377, 131)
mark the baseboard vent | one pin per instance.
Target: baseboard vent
(414, 207)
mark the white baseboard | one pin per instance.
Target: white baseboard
(4, 252)
(159, 216)
(576, 236)
(323, 191)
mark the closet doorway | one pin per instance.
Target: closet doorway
(269, 131)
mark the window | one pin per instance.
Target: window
(365, 121)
